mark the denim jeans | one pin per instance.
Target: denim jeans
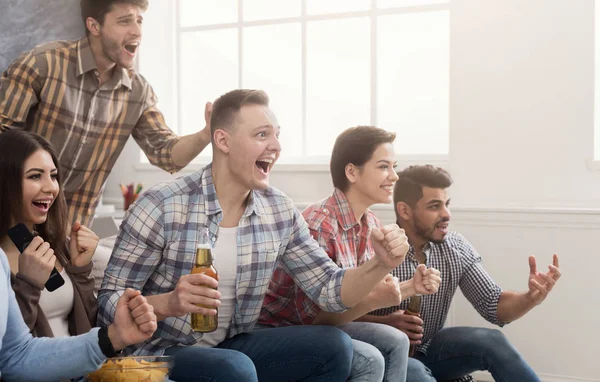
(388, 341)
(458, 351)
(298, 353)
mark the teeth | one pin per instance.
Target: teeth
(47, 202)
(266, 160)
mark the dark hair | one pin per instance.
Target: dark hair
(226, 107)
(409, 187)
(355, 145)
(97, 9)
(16, 147)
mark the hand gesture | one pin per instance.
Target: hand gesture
(390, 245)
(412, 326)
(82, 245)
(207, 113)
(540, 284)
(135, 320)
(193, 290)
(37, 261)
(426, 280)
(386, 293)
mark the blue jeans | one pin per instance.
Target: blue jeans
(458, 351)
(389, 342)
(298, 353)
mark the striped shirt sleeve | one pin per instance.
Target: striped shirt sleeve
(20, 85)
(153, 135)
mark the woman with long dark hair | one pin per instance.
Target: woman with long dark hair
(30, 193)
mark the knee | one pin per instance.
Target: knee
(224, 365)
(417, 371)
(336, 343)
(494, 343)
(240, 366)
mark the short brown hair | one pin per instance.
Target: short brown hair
(409, 187)
(226, 107)
(97, 9)
(355, 145)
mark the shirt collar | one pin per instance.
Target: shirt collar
(345, 214)
(86, 63)
(255, 204)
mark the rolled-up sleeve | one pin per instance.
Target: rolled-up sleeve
(138, 250)
(478, 286)
(153, 135)
(312, 269)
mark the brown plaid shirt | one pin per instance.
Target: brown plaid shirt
(53, 90)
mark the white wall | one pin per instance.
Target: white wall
(521, 122)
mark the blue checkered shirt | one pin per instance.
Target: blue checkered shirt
(157, 243)
(459, 265)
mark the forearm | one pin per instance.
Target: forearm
(27, 294)
(407, 289)
(160, 303)
(188, 147)
(372, 318)
(327, 318)
(358, 282)
(513, 305)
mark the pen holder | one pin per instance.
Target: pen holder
(128, 200)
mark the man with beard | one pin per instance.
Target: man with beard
(86, 99)
(422, 209)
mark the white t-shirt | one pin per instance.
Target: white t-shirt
(57, 305)
(225, 261)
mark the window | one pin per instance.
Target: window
(597, 81)
(326, 65)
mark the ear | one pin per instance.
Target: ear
(351, 172)
(404, 211)
(222, 140)
(93, 26)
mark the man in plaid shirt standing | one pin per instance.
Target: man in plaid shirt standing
(422, 208)
(85, 97)
(253, 228)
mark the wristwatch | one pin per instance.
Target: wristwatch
(105, 345)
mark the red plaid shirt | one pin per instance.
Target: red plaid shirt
(333, 224)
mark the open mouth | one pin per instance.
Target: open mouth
(43, 205)
(132, 48)
(389, 189)
(264, 165)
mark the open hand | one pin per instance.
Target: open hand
(207, 113)
(540, 284)
(82, 245)
(390, 245)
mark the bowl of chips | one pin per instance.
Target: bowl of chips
(133, 369)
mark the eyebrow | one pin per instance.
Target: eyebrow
(387, 161)
(35, 169)
(267, 126)
(436, 201)
(129, 15)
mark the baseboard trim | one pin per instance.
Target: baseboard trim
(482, 376)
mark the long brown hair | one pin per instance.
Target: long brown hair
(16, 147)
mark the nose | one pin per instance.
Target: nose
(446, 212)
(274, 144)
(393, 176)
(50, 185)
(136, 30)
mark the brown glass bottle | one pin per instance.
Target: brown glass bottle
(204, 264)
(414, 309)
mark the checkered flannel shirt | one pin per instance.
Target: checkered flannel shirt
(333, 224)
(157, 243)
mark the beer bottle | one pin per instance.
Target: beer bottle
(204, 264)
(414, 309)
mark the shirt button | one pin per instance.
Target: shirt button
(83, 140)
